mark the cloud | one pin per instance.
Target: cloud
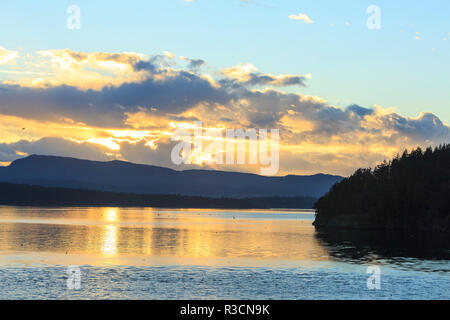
(194, 64)
(246, 74)
(426, 127)
(132, 116)
(54, 146)
(171, 93)
(180, 94)
(8, 56)
(84, 70)
(8, 153)
(358, 110)
(169, 55)
(301, 16)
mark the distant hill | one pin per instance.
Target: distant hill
(125, 177)
(411, 192)
(26, 195)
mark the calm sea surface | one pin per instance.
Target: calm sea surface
(135, 253)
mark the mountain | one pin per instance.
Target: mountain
(125, 177)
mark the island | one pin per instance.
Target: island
(411, 192)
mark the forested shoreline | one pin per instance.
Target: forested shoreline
(410, 192)
(29, 195)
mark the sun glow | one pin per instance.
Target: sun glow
(107, 142)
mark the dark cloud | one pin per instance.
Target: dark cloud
(7, 153)
(427, 127)
(280, 81)
(358, 110)
(157, 64)
(107, 107)
(54, 103)
(194, 64)
(172, 92)
(261, 79)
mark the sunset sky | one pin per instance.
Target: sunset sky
(342, 95)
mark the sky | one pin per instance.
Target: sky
(342, 95)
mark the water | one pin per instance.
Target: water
(134, 253)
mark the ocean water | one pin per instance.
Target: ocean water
(135, 253)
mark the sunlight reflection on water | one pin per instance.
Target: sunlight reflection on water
(238, 244)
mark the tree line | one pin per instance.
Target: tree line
(30, 195)
(411, 191)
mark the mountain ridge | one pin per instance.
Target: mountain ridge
(123, 176)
